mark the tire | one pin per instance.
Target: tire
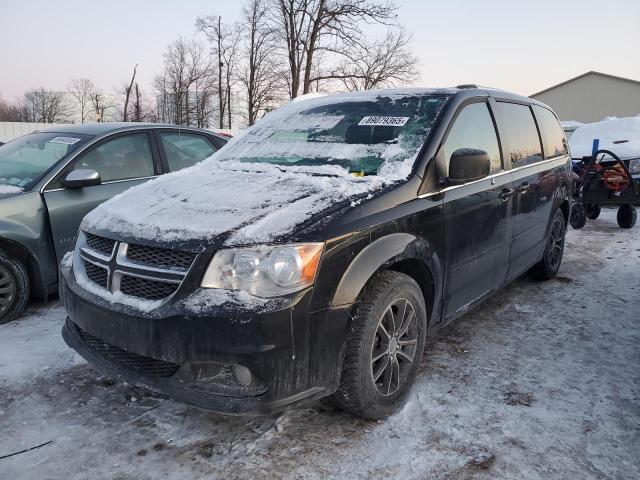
(627, 216)
(578, 216)
(399, 354)
(14, 288)
(548, 267)
(593, 211)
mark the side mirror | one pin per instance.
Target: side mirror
(468, 164)
(81, 177)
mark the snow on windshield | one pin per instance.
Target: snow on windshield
(254, 201)
(619, 135)
(360, 132)
(8, 189)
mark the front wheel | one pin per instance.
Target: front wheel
(14, 288)
(593, 211)
(384, 347)
(578, 216)
(552, 258)
(627, 216)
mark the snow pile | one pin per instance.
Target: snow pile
(260, 201)
(609, 131)
(9, 189)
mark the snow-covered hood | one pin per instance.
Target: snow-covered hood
(247, 202)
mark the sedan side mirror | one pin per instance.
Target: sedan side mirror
(468, 164)
(81, 177)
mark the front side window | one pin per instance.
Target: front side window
(25, 160)
(128, 156)
(519, 134)
(473, 128)
(185, 149)
(357, 132)
(553, 139)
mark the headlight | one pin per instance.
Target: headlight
(264, 271)
(634, 166)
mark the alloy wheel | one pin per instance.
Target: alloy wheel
(556, 243)
(394, 346)
(7, 289)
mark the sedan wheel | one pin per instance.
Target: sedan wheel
(7, 290)
(14, 288)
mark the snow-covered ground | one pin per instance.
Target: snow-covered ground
(541, 382)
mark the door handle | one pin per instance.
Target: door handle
(524, 187)
(506, 193)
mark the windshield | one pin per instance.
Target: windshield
(24, 160)
(359, 132)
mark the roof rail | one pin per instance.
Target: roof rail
(467, 85)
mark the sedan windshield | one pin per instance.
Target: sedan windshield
(359, 132)
(24, 160)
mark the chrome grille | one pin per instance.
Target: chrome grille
(139, 272)
(146, 288)
(101, 245)
(160, 257)
(96, 274)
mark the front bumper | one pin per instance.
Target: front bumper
(293, 356)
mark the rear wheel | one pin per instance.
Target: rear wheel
(627, 216)
(552, 258)
(593, 211)
(578, 216)
(384, 347)
(14, 288)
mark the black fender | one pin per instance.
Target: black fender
(402, 251)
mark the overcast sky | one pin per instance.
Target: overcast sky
(522, 46)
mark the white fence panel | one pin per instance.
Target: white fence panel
(11, 130)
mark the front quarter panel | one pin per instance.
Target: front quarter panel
(23, 225)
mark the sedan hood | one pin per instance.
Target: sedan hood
(245, 203)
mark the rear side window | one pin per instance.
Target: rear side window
(519, 134)
(553, 141)
(473, 128)
(184, 149)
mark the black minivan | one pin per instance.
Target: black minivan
(312, 255)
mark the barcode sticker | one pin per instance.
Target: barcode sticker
(65, 140)
(374, 121)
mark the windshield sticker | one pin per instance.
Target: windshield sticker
(373, 121)
(65, 140)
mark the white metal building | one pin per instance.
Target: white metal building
(592, 96)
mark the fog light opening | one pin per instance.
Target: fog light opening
(243, 375)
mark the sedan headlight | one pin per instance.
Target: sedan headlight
(264, 271)
(634, 166)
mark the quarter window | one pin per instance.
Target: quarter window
(553, 140)
(128, 156)
(519, 134)
(473, 128)
(185, 150)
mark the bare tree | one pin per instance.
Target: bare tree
(385, 62)
(310, 26)
(100, 104)
(46, 106)
(184, 82)
(81, 90)
(12, 112)
(127, 94)
(224, 40)
(260, 77)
